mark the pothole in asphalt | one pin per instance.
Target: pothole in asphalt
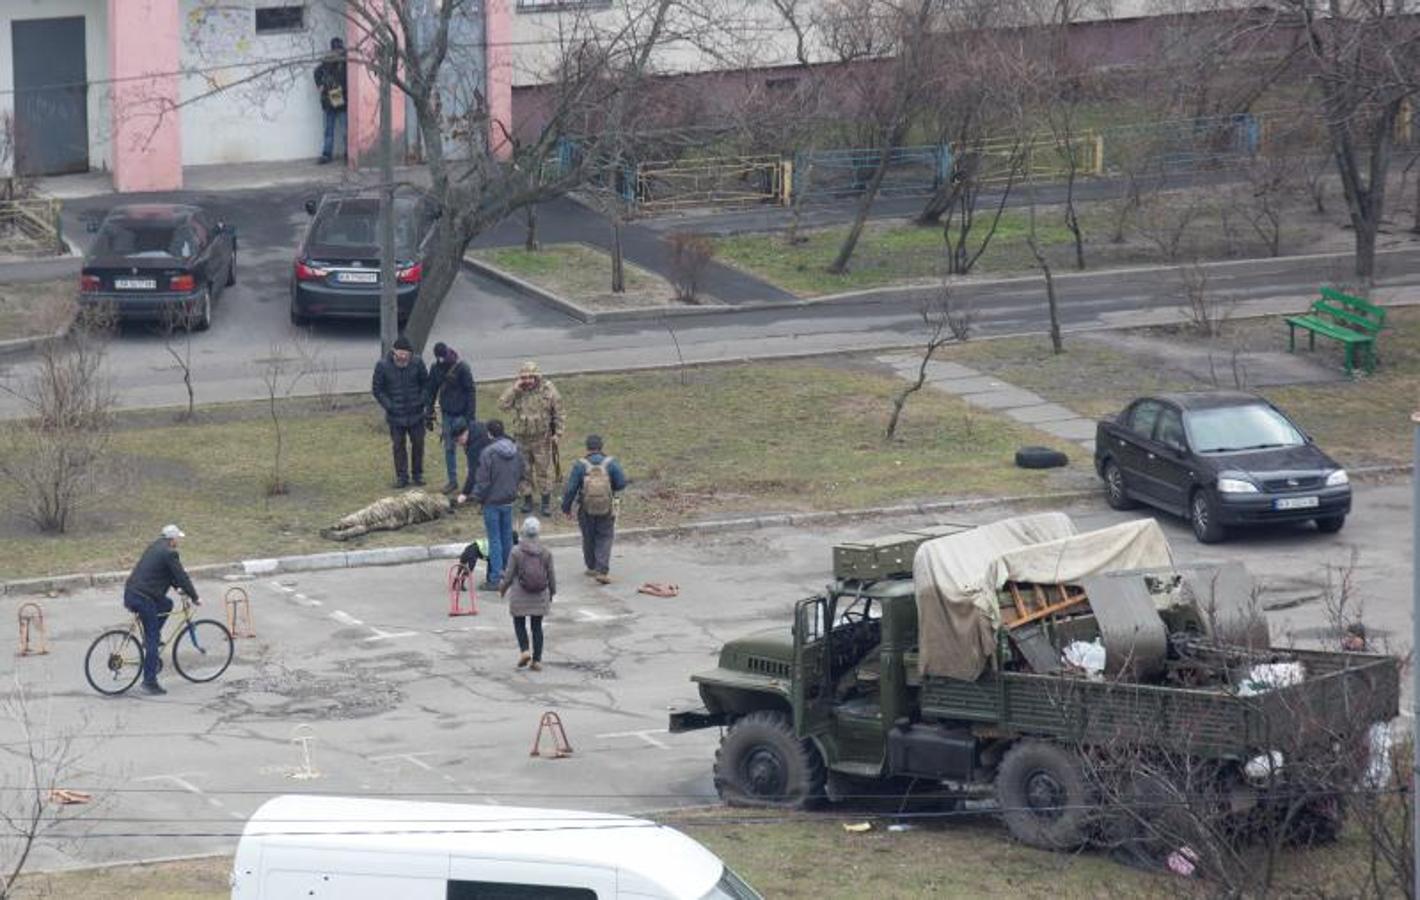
(296, 693)
(597, 670)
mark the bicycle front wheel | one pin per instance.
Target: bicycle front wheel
(114, 662)
(202, 650)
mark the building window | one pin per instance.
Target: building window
(539, 5)
(271, 19)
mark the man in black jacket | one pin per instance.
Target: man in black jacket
(495, 485)
(146, 593)
(451, 383)
(330, 81)
(399, 386)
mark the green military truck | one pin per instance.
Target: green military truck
(864, 690)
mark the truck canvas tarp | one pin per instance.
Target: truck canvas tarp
(957, 578)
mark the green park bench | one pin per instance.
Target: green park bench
(1351, 321)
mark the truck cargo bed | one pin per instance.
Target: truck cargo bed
(1341, 692)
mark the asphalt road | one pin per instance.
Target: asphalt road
(399, 699)
(497, 329)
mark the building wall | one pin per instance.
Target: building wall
(274, 117)
(96, 53)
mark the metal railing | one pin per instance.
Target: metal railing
(31, 227)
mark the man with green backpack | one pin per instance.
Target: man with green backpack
(594, 483)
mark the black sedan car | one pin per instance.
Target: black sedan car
(337, 269)
(160, 262)
(1220, 459)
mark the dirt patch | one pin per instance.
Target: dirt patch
(1229, 361)
(37, 308)
(296, 693)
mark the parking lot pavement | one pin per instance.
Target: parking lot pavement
(359, 682)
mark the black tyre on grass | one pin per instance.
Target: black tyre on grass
(1040, 458)
(761, 763)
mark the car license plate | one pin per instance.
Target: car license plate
(135, 284)
(358, 277)
(1295, 502)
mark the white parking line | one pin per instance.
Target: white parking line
(411, 757)
(643, 735)
(591, 616)
(344, 618)
(380, 635)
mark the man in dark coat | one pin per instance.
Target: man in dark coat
(595, 485)
(146, 593)
(399, 386)
(451, 384)
(330, 81)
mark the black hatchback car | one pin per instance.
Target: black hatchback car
(160, 262)
(337, 269)
(1219, 459)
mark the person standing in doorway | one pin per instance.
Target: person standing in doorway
(500, 468)
(399, 386)
(536, 410)
(330, 81)
(593, 485)
(146, 593)
(529, 583)
(451, 384)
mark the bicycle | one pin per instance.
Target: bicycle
(202, 651)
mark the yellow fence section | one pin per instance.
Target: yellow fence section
(722, 181)
(30, 227)
(1039, 158)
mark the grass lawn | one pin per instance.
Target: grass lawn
(808, 856)
(34, 308)
(580, 273)
(709, 442)
(895, 252)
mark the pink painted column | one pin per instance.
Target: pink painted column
(363, 83)
(143, 38)
(497, 33)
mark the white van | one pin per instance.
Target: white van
(358, 849)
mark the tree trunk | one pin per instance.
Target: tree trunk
(530, 243)
(618, 268)
(870, 193)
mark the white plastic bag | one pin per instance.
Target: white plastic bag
(1086, 655)
(1269, 676)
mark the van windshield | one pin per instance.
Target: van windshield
(732, 887)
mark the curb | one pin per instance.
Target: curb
(589, 316)
(26, 344)
(390, 556)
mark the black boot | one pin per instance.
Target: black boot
(527, 504)
(546, 506)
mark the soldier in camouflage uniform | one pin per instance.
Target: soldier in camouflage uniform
(390, 514)
(535, 423)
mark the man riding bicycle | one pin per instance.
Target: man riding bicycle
(146, 593)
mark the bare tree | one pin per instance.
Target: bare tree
(37, 761)
(690, 254)
(179, 347)
(1203, 308)
(889, 46)
(58, 456)
(1362, 63)
(942, 324)
(1052, 305)
(281, 372)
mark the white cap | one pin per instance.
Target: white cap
(172, 531)
(531, 527)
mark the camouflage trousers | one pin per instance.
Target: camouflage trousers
(537, 465)
(388, 514)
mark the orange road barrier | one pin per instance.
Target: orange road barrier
(460, 577)
(34, 638)
(551, 723)
(239, 613)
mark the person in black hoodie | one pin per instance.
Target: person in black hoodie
(330, 81)
(146, 593)
(495, 485)
(451, 384)
(399, 386)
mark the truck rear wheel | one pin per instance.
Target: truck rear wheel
(1044, 798)
(761, 763)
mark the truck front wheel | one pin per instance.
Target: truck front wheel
(761, 763)
(1044, 798)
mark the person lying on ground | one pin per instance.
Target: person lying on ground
(390, 514)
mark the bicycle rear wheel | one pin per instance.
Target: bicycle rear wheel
(202, 650)
(114, 662)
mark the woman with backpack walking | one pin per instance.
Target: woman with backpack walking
(529, 583)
